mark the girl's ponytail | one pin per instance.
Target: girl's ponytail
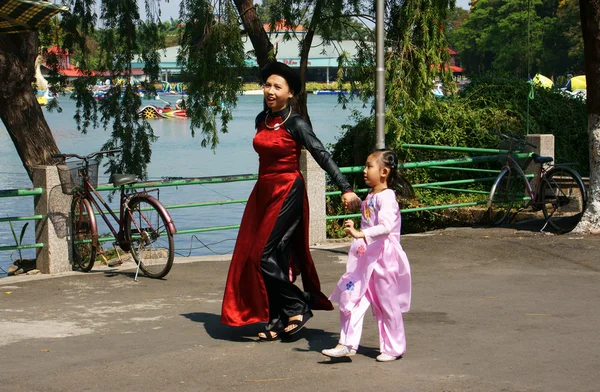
(395, 179)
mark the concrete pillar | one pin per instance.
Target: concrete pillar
(314, 177)
(52, 229)
(545, 147)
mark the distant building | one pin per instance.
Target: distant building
(67, 69)
(322, 61)
(456, 70)
(63, 61)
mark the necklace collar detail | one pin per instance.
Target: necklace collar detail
(278, 125)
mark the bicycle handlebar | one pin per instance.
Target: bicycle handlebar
(513, 138)
(90, 156)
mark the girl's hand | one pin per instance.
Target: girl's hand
(349, 229)
(351, 201)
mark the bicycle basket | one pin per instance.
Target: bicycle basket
(71, 178)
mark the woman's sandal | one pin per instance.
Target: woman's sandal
(297, 325)
(272, 331)
(268, 336)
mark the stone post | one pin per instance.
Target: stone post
(52, 229)
(545, 147)
(314, 177)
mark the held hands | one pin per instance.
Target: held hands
(349, 229)
(351, 201)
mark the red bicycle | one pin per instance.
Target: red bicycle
(145, 228)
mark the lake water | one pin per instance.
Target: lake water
(175, 154)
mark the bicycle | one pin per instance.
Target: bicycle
(559, 191)
(145, 228)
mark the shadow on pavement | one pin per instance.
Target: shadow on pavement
(318, 340)
(216, 330)
(533, 225)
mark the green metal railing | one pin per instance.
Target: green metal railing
(180, 181)
(444, 164)
(454, 164)
(21, 192)
(17, 193)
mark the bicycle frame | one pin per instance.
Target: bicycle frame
(512, 165)
(96, 199)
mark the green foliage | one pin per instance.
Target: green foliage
(491, 103)
(563, 42)
(418, 58)
(124, 37)
(333, 20)
(18, 241)
(522, 37)
(456, 18)
(550, 112)
(211, 56)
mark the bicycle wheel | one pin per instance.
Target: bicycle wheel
(507, 193)
(152, 245)
(83, 233)
(563, 198)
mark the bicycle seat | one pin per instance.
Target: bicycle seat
(541, 159)
(123, 179)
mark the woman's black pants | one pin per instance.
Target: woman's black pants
(285, 298)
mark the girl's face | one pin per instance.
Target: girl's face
(375, 174)
(277, 93)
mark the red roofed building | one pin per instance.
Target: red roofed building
(281, 27)
(455, 68)
(67, 69)
(63, 59)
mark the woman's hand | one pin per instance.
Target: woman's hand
(351, 201)
(349, 229)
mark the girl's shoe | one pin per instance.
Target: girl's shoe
(383, 357)
(339, 351)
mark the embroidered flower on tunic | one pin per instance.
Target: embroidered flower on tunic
(366, 212)
(350, 286)
(369, 209)
(361, 250)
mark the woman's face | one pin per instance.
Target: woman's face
(277, 93)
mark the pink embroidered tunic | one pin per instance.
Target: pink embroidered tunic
(377, 263)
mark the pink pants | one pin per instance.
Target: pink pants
(392, 340)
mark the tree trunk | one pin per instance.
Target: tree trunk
(263, 48)
(300, 103)
(255, 30)
(590, 26)
(19, 109)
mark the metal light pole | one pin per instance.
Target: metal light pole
(380, 76)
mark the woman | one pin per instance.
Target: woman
(272, 245)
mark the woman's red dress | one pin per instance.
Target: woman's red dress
(245, 300)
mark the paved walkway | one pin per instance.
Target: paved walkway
(493, 310)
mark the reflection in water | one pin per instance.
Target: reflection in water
(175, 154)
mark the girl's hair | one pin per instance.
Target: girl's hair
(395, 180)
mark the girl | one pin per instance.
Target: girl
(272, 244)
(377, 272)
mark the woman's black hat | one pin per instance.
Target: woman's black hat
(283, 70)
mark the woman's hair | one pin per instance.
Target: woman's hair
(395, 180)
